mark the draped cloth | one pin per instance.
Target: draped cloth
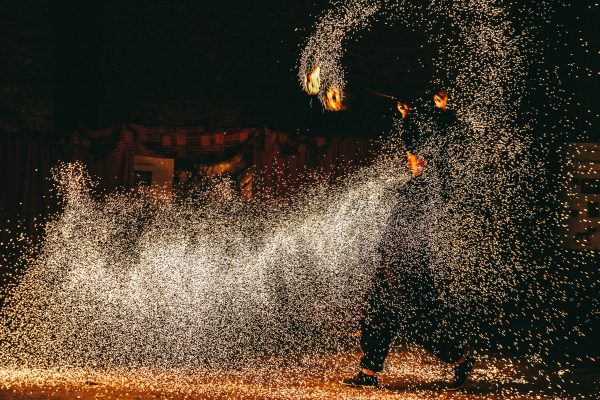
(276, 159)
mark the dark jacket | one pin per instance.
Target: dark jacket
(405, 248)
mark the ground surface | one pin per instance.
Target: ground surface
(409, 375)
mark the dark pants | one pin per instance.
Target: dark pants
(413, 312)
(403, 300)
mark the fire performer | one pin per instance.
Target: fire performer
(403, 298)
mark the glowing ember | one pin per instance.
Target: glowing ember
(402, 107)
(441, 99)
(414, 163)
(313, 81)
(334, 99)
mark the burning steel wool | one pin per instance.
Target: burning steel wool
(124, 281)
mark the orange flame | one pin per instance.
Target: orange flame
(403, 108)
(414, 163)
(334, 99)
(441, 99)
(313, 81)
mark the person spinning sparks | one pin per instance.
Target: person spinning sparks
(403, 299)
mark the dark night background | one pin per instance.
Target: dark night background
(65, 64)
(225, 64)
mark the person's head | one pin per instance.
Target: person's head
(440, 98)
(403, 108)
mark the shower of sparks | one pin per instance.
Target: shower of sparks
(128, 280)
(479, 254)
(325, 48)
(416, 376)
(125, 284)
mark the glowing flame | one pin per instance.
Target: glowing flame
(414, 163)
(441, 99)
(334, 99)
(403, 108)
(313, 81)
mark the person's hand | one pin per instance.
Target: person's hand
(415, 163)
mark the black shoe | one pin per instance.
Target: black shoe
(461, 373)
(361, 380)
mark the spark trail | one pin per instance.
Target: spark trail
(488, 241)
(126, 280)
